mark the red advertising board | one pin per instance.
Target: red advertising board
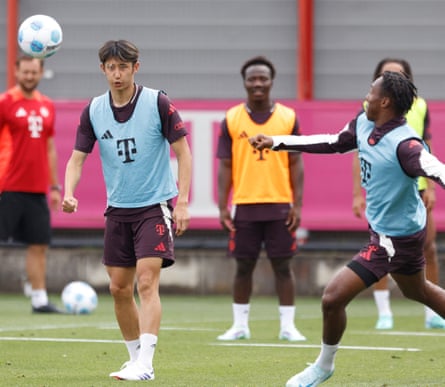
(328, 181)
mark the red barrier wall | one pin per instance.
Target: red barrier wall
(328, 182)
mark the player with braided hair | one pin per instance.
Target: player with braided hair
(417, 118)
(392, 156)
(401, 93)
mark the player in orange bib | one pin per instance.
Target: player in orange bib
(266, 202)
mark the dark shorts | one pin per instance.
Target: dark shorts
(25, 217)
(150, 236)
(248, 239)
(383, 255)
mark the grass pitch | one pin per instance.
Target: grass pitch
(66, 350)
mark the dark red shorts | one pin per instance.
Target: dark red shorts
(249, 237)
(126, 242)
(383, 255)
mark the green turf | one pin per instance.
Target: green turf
(41, 351)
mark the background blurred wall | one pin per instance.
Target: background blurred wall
(194, 48)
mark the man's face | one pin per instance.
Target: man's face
(28, 74)
(120, 75)
(258, 82)
(374, 99)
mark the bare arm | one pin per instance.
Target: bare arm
(358, 198)
(297, 181)
(224, 187)
(429, 195)
(54, 194)
(73, 173)
(343, 141)
(181, 215)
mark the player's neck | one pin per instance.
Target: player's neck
(384, 118)
(260, 107)
(27, 93)
(122, 98)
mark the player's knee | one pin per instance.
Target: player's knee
(119, 292)
(328, 302)
(245, 267)
(331, 300)
(148, 288)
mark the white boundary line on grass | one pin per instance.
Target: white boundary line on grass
(424, 334)
(60, 340)
(362, 348)
(112, 326)
(351, 347)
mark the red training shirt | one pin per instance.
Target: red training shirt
(25, 127)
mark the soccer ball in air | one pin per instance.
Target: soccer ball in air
(39, 36)
(78, 297)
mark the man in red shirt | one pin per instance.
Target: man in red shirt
(28, 169)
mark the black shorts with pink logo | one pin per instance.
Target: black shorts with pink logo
(384, 254)
(132, 234)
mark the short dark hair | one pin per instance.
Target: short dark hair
(258, 60)
(121, 49)
(28, 58)
(402, 62)
(400, 90)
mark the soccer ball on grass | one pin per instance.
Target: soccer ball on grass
(39, 36)
(79, 297)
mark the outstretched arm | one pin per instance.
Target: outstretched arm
(341, 142)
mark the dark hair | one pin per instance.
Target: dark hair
(258, 60)
(400, 90)
(28, 58)
(402, 62)
(120, 49)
